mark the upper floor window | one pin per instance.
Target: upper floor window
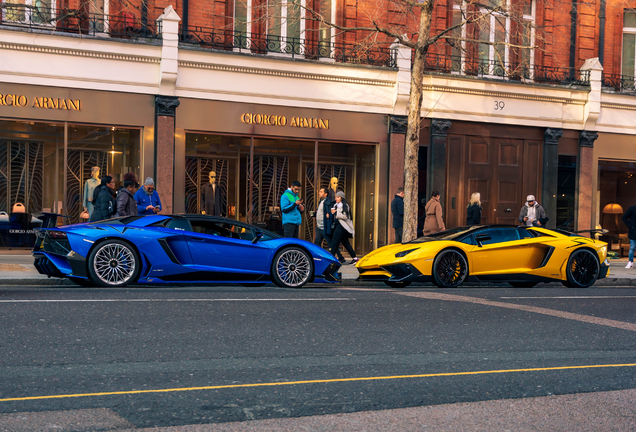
(502, 23)
(29, 11)
(629, 43)
(283, 25)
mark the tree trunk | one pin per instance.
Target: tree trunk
(412, 144)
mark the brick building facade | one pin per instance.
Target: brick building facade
(189, 74)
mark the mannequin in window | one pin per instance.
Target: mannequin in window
(89, 188)
(211, 197)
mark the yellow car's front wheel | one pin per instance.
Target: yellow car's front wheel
(583, 269)
(450, 269)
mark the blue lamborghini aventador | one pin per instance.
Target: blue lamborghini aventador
(178, 249)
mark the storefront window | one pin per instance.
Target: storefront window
(251, 187)
(617, 185)
(32, 176)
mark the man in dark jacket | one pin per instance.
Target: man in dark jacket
(397, 210)
(630, 220)
(104, 202)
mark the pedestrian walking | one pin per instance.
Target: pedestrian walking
(319, 215)
(630, 220)
(126, 204)
(397, 210)
(104, 204)
(147, 198)
(473, 213)
(292, 207)
(532, 214)
(343, 226)
(329, 224)
(433, 222)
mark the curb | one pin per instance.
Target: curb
(607, 282)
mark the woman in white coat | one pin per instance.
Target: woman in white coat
(343, 229)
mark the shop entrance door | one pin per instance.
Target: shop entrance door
(502, 170)
(311, 187)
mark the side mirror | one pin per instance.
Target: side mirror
(480, 238)
(257, 236)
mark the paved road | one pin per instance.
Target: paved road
(134, 358)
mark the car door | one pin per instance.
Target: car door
(505, 252)
(226, 250)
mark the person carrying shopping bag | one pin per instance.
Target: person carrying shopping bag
(343, 226)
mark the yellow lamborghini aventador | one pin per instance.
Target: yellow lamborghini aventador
(520, 256)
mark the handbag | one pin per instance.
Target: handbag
(84, 215)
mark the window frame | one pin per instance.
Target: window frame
(627, 30)
(493, 22)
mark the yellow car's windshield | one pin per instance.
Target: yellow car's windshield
(451, 234)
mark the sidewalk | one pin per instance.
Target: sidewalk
(18, 269)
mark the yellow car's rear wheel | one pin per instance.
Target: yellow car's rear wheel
(450, 269)
(583, 269)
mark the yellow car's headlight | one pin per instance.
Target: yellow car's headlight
(404, 253)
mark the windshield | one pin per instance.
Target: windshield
(451, 234)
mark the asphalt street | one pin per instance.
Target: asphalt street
(157, 357)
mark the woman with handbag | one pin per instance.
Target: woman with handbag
(105, 205)
(343, 226)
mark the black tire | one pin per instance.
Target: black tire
(450, 269)
(292, 267)
(253, 285)
(82, 282)
(582, 270)
(523, 284)
(113, 263)
(394, 284)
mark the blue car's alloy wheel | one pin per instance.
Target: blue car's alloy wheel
(113, 263)
(292, 268)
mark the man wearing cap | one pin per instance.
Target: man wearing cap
(147, 198)
(532, 214)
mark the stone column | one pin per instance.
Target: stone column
(584, 181)
(165, 110)
(437, 159)
(550, 174)
(397, 139)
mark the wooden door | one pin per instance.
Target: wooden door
(503, 170)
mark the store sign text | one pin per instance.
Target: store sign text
(40, 102)
(274, 120)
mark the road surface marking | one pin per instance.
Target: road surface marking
(571, 297)
(544, 311)
(325, 381)
(169, 300)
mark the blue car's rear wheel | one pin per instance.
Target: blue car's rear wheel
(583, 269)
(292, 268)
(450, 269)
(113, 263)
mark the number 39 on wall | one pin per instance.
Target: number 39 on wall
(499, 105)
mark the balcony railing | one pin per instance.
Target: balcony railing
(124, 25)
(253, 43)
(619, 83)
(492, 69)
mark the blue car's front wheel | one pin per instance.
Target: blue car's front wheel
(292, 268)
(113, 263)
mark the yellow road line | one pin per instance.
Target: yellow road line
(325, 381)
